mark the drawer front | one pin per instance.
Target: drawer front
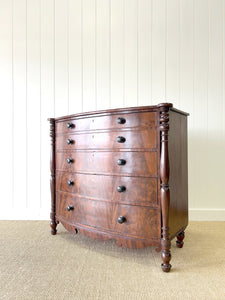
(126, 190)
(85, 211)
(136, 163)
(147, 119)
(145, 138)
(139, 221)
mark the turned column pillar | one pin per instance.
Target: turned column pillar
(53, 223)
(164, 185)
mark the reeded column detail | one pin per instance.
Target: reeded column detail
(164, 185)
(53, 223)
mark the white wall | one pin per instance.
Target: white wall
(67, 56)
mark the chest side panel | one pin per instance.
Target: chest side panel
(178, 214)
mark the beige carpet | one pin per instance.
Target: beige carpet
(36, 265)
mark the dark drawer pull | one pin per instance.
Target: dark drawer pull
(121, 162)
(69, 125)
(121, 139)
(121, 120)
(70, 207)
(121, 188)
(121, 219)
(70, 182)
(69, 160)
(69, 142)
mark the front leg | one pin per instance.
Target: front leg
(165, 254)
(53, 224)
(180, 238)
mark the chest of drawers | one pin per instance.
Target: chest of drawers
(122, 174)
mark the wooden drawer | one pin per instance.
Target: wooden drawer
(86, 212)
(136, 163)
(138, 191)
(145, 139)
(140, 221)
(146, 119)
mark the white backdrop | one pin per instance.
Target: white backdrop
(67, 56)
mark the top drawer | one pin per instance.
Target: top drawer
(146, 119)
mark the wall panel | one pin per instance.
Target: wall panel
(47, 103)
(59, 57)
(144, 52)
(89, 54)
(19, 41)
(61, 66)
(159, 16)
(33, 109)
(7, 104)
(117, 53)
(102, 70)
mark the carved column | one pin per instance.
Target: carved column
(164, 185)
(53, 223)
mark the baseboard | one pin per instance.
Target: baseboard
(197, 214)
(25, 214)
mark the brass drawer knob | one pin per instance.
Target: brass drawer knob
(121, 139)
(121, 120)
(70, 207)
(70, 182)
(69, 142)
(121, 162)
(121, 188)
(121, 219)
(69, 160)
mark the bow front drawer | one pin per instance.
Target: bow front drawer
(126, 190)
(121, 219)
(141, 139)
(111, 163)
(120, 121)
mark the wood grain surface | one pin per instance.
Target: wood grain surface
(140, 221)
(139, 191)
(137, 163)
(141, 119)
(178, 173)
(113, 179)
(143, 138)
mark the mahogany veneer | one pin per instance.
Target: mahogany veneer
(122, 174)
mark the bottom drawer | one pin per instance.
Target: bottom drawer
(137, 221)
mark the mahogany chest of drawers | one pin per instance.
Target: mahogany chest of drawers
(122, 174)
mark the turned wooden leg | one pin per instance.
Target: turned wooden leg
(165, 254)
(53, 224)
(180, 238)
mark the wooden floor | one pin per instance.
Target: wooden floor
(36, 265)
